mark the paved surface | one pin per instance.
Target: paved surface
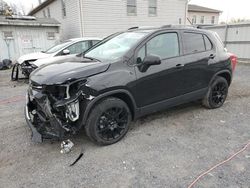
(166, 149)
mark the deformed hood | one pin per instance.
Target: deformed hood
(58, 73)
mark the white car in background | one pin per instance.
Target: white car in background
(27, 63)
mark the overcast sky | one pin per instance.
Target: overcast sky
(231, 8)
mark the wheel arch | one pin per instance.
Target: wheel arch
(225, 74)
(122, 94)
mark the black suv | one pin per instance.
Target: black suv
(126, 76)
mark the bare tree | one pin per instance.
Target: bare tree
(3, 7)
(11, 8)
(18, 9)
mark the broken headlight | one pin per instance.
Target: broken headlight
(57, 91)
(76, 86)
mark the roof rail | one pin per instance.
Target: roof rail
(131, 28)
(166, 26)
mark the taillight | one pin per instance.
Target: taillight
(233, 61)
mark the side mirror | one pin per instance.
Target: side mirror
(147, 62)
(66, 52)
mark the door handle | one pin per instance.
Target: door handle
(179, 66)
(212, 56)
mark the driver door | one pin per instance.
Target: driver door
(164, 81)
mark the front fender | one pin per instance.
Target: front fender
(94, 101)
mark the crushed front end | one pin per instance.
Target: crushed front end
(53, 111)
(25, 68)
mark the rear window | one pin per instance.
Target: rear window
(219, 40)
(193, 43)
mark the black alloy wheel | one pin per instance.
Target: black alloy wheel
(108, 121)
(217, 93)
(112, 123)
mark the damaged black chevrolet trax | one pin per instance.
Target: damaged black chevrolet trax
(126, 76)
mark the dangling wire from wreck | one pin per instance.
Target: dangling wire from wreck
(78, 158)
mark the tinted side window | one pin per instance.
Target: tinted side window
(208, 43)
(142, 53)
(193, 43)
(164, 45)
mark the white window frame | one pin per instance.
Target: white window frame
(48, 12)
(213, 20)
(64, 12)
(202, 21)
(132, 5)
(51, 35)
(8, 34)
(180, 21)
(44, 13)
(151, 6)
(194, 19)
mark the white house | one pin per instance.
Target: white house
(202, 15)
(103, 17)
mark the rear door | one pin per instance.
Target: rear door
(198, 54)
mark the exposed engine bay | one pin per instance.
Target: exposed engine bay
(54, 111)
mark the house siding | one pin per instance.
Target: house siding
(99, 18)
(70, 24)
(102, 18)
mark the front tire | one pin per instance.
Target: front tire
(108, 121)
(217, 93)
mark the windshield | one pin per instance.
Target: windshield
(57, 47)
(116, 47)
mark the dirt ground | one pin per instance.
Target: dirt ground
(166, 149)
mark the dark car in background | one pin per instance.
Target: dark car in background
(126, 76)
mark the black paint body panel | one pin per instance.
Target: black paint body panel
(175, 81)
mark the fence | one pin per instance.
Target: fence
(236, 38)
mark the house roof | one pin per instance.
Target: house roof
(197, 8)
(49, 22)
(40, 7)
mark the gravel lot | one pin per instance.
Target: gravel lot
(166, 149)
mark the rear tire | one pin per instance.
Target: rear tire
(217, 93)
(108, 121)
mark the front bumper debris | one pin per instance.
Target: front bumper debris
(35, 135)
(55, 121)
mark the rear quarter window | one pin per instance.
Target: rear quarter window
(193, 43)
(208, 43)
